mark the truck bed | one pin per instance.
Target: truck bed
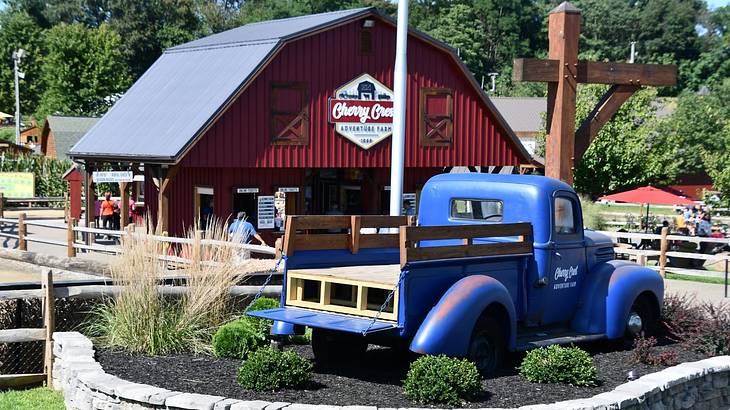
(381, 274)
(354, 290)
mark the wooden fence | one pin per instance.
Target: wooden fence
(73, 232)
(33, 335)
(664, 252)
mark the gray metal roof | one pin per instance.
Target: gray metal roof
(67, 131)
(187, 86)
(523, 114)
(273, 29)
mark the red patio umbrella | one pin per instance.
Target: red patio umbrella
(648, 195)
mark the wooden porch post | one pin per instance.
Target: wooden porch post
(124, 206)
(90, 203)
(563, 32)
(166, 175)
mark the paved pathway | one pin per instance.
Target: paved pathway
(56, 234)
(703, 292)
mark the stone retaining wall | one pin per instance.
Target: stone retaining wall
(85, 386)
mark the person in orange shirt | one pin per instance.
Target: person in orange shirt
(107, 211)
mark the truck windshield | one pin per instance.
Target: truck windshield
(477, 209)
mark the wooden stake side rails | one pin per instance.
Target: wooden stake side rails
(410, 236)
(354, 240)
(593, 72)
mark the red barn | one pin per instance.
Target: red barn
(294, 116)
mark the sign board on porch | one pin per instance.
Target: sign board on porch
(17, 184)
(266, 212)
(112, 176)
(289, 189)
(247, 190)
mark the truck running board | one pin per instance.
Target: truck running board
(535, 340)
(332, 321)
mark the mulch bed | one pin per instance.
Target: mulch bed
(374, 379)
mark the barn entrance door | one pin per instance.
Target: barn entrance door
(204, 206)
(245, 199)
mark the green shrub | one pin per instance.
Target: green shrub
(441, 379)
(263, 325)
(269, 369)
(238, 339)
(557, 364)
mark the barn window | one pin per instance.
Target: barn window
(366, 41)
(289, 113)
(437, 117)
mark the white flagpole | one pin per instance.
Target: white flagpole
(398, 139)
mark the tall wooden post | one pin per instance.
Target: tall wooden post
(70, 238)
(563, 32)
(663, 247)
(2, 205)
(124, 206)
(49, 322)
(22, 243)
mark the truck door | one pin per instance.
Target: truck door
(567, 258)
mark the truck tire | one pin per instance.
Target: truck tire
(487, 345)
(642, 320)
(330, 347)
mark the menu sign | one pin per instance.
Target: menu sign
(266, 212)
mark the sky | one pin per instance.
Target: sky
(717, 3)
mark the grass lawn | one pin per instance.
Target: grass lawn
(692, 278)
(40, 398)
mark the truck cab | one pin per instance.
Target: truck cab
(493, 263)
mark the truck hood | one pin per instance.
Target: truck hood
(593, 238)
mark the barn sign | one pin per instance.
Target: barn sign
(362, 111)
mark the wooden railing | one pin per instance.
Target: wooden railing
(73, 230)
(45, 334)
(641, 255)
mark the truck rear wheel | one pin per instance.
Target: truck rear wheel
(330, 346)
(487, 345)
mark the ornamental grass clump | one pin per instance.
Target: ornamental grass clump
(141, 319)
(442, 380)
(558, 364)
(269, 369)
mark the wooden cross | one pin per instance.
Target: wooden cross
(562, 71)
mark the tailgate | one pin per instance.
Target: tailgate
(332, 321)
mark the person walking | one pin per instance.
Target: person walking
(107, 211)
(244, 230)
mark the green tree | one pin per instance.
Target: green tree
(627, 152)
(461, 29)
(83, 71)
(19, 30)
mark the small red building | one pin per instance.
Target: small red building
(294, 116)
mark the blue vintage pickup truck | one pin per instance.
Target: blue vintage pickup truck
(494, 263)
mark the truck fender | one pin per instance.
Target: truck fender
(448, 326)
(608, 294)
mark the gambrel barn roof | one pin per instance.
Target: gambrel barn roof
(183, 93)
